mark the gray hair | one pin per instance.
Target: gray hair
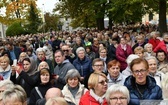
(80, 49)
(6, 83)
(151, 57)
(152, 33)
(117, 88)
(131, 57)
(40, 50)
(146, 45)
(15, 93)
(71, 74)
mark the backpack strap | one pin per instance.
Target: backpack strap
(39, 93)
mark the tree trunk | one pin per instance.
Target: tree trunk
(162, 16)
(100, 23)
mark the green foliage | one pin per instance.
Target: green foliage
(33, 19)
(15, 29)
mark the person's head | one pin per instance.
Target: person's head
(42, 65)
(164, 85)
(152, 62)
(103, 52)
(88, 49)
(56, 101)
(22, 56)
(139, 68)
(65, 48)
(98, 82)
(113, 68)
(59, 56)
(14, 96)
(53, 92)
(72, 78)
(5, 84)
(140, 39)
(45, 76)
(40, 53)
(139, 51)
(80, 51)
(98, 65)
(9, 45)
(26, 64)
(117, 95)
(165, 37)
(123, 41)
(148, 47)
(29, 51)
(130, 58)
(153, 35)
(78, 40)
(4, 62)
(161, 55)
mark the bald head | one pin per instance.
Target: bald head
(53, 92)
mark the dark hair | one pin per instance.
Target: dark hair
(26, 59)
(62, 53)
(44, 71)
(161, 51)
(97, 60)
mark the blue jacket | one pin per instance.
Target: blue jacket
(153, 91)
(83, 66)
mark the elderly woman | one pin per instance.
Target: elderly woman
(5, 68)
(117, 95)
(96, 95)
(157, 75)
(148, 50)
(82, 63)
(114, 76)
(73, 90)
(39, 91)
(14, 96)
(42, 65)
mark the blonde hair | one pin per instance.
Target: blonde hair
(94, 79)
(5, 58)
(139, 48)
(56, 101)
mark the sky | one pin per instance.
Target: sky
(48, 5)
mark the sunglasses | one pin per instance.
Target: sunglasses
(65, 50)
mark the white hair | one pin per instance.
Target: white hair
(40, 50)
(117, 88)
(131, 57)
(80, 49)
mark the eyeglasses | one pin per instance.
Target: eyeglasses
(98, 65)
(139, 71)
(118, 98)
(103, 82)
(65, 50)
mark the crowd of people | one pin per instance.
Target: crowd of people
(122, 66)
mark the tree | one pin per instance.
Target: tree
(33, 19)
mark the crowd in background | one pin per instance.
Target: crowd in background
(125, 65)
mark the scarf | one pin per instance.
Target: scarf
(96, 97)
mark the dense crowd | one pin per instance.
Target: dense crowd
(125, 65)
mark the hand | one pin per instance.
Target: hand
(81, 78)
(14, 69)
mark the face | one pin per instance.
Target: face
(101, 87)
(103, 53)
(26, 65)
(140, 40)
(118, 98)
(98, 66)
(43, 65)
(161, 56)
(139, 53)
(9, 47)
(81, 54)
(114, 71)
(41, 55)
(73, 82)
(22, 56)
(45, 78)
(4, 64)
(123, 41)
(65, 49)
(149, 48)
(140, 73)
(152, 65)
(59, 58)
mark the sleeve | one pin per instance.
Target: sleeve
(33, 99)
(159, 95)
(118, 55)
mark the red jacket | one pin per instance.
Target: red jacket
(87, 99)
(154, 42)
(161, 46)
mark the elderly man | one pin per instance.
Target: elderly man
(61, 69)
